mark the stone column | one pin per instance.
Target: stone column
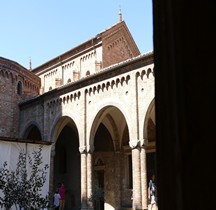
(83, 178)
(137, 202)
(143, 169)
(89, 177)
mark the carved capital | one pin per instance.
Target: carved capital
(82, 149)
(133, 143)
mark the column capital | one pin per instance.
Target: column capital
(134, 143)
(143, 142)
(90, 148)
(82, 149)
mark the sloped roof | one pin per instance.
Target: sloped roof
(87, 45)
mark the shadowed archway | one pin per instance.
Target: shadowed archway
(111, 158)
(67, 165)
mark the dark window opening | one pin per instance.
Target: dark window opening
(87, 73)
(19, 88)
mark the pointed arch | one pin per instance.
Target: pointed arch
(150, 123)
(114, 121)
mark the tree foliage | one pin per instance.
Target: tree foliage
(23, 187)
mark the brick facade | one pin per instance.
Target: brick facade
(17, 84)
(96, 106)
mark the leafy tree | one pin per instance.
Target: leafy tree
(23, 187)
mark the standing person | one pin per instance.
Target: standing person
(56, 200)
(152, 192)
(62, 191)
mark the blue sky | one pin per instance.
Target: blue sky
(43, 29)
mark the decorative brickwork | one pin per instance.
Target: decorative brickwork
(118, 45)
(17, 84)
(96, 107)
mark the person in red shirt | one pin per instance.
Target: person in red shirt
(62, 191)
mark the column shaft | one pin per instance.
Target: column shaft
(144, 184)
(83, 181)
(89, 180)
(137, 203)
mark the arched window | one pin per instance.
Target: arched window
(87, 73)
(50, 88)
(19, 88)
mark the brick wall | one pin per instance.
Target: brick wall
(17, 84)
(118, 45)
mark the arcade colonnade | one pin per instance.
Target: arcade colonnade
(103, 125)
(139, 195)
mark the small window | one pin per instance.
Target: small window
(87, 73)
(19, 88)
